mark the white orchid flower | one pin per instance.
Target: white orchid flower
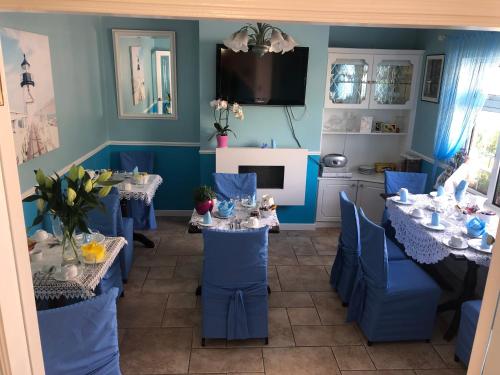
(239, 115)
(236, 107)
(277, 42)
(223, 104)
(214, 103)
(290, 44)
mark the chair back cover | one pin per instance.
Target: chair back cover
(143, 160)
(234, 271)
(232, 185)
(349, 242)
(81, 339)
(109, 220)
(414, 182)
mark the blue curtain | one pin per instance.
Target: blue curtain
(469, 59)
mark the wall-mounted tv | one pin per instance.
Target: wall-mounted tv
(273, 79)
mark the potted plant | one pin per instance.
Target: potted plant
(68, 199)
(203, 199)
(222, 109)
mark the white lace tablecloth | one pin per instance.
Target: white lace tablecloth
(424, 245)
(144, 192)
(240, 213)
(46, 287)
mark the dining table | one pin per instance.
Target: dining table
(426, 244)
(45, 270)
(129, 189)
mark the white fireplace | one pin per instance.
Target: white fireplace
(281, 172)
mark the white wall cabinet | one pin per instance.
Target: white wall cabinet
(365, 194)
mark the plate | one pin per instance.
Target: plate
(249, 205)
(464, 231)
(438, 228)
(476, 245)
(218, 215)
(446, 241)
(60, 277)
(408, 202)
(201, 223)
(246, 225)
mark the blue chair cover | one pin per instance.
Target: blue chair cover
(109, 222)
(232, 185)
(234, 284)
(393, 300)
(345, 267)
(143, 215)
(467, 330)
(81, 339)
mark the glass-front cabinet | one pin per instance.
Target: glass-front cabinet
(371, 80)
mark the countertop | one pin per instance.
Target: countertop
(356, 176)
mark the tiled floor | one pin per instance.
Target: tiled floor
(159, 318)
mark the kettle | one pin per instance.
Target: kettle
(334, 160)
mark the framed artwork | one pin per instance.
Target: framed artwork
(432, 78)
(145, 74)
(30, 88)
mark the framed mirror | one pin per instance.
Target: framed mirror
(146, 86)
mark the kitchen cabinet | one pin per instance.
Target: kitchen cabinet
(366, 194)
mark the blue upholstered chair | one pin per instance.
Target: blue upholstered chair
(232, 185)
(345, 267)
(110, 223)
(234, 282)
(81, 339)
(391, 300)
(144, 215)
(467, 330)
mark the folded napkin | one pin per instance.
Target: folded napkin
(135, 170)
(225, 208)
(460, 190)
(475, 227)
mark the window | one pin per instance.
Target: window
(484, 144)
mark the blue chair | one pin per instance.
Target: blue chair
(231, 185)
(467, 330)
(234, 282)
(81, 339)
(391, 300)
(110, 223)
(345, 267)
(144, 215)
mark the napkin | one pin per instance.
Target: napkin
(440, 190)
(135, 170)
(460, 190)
(225, 208)
(475, 227)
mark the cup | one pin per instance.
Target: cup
(418, 212)
(253, 222)
(403, 194)
(484, 241)
(69, 271)
(36, 255)
(40, 235)
(456, 241)
(435, 219)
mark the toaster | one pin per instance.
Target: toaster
(334, 160)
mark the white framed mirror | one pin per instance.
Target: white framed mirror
(145, 74)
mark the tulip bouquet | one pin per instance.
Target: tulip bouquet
(69, 198)
(222, 109)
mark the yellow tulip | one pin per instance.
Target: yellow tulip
(40, 177)
(104, 191)
(104, 176)
(81, 172)
(71, 197)
(88, 186)
(40, 205)
(73, 173)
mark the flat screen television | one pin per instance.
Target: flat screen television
(273, 79)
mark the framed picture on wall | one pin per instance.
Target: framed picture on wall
(431, 86)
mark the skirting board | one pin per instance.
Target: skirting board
(328, 224)
(297, 226)
(173, 212)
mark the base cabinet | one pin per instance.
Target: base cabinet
(365, 194)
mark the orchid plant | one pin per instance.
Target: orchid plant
(222, 109)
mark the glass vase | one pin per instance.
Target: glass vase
(69, 253)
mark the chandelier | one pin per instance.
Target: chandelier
(261, 38)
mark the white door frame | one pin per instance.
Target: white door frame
(20, 349)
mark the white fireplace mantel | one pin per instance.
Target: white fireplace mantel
(294, 161)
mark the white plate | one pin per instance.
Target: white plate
(476, 245)
(438, 228)
(205, 225)
(248, 226)
(249, 205)
(433, 194)
(417, 217)
(446, 241)
(59, 276)
(408, 202)
(464, 231)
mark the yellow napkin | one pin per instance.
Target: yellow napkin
(93, 252)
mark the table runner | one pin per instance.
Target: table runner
(423, 245)
(46, 287)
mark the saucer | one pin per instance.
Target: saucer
(418, 216)
(476, 245)
(248, 226)
(408, 202)
(248, 205)
(217, 214)
(438, 228)
(447, 241)
(205, 225)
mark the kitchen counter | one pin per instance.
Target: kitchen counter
(356, 176)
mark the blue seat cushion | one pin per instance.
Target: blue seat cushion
(405, 276)
(467, 330)
(394, 252)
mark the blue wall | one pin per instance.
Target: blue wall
(186, 127)
(372, 37)
(77, 79)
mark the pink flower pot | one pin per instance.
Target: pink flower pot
(203, 207)
(222, 141)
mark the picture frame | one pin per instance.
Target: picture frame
(431, 82)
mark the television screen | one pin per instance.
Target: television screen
(273, 79)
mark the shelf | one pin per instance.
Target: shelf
(357, 133)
